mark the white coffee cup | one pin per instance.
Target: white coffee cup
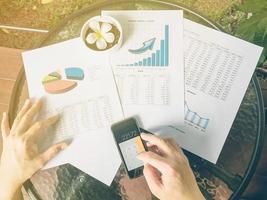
(106, 19)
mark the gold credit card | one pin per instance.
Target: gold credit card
(139, 145)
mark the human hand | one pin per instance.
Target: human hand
(168, 172)
(21, 158)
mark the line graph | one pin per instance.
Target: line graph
(195, 118)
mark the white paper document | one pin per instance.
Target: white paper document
(149, 67)
(218, 69)
(81, 87)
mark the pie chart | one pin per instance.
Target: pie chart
(53, 83)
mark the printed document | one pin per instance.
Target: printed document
(149, 67)
(218, 69)
(81, 88)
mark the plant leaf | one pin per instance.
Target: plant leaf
(255, 31)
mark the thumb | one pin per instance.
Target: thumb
(153, 179)
(50, 153)
(5, 128)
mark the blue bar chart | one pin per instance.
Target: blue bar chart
(195, 119)
(160, 58)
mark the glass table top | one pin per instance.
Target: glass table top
(227, 179)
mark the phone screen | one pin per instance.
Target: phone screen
(130, 144)
(130, 149)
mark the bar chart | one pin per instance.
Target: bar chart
(195, 119)
(159, 58)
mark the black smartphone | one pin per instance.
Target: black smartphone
(127, 136)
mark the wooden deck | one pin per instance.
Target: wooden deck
(10, 66)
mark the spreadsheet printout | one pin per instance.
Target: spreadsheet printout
(149, 67)
(86, 110)
(218, 69)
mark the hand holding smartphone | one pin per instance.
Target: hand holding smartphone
(127, 137)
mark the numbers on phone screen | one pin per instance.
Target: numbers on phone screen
(130, 135)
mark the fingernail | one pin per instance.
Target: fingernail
(56, 117)
(27, 101)
(143, 134)
(64, 146)
(39, 102)
(4, 114)
(68, 141)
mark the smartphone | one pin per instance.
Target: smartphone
(127, 137)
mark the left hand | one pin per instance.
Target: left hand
(21, 158)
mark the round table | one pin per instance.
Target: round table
(225, 180)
